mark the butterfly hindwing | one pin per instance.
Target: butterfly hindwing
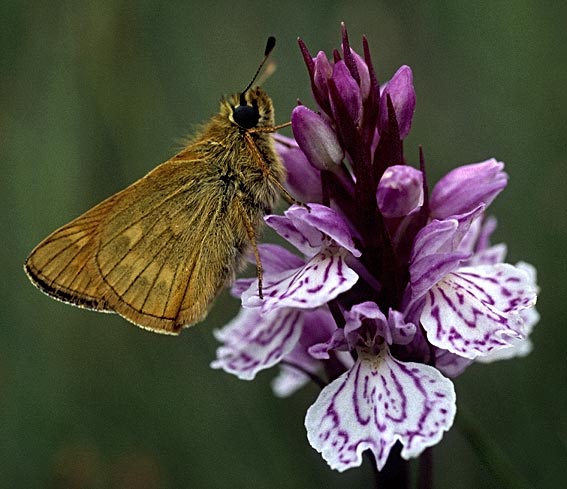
(62, 264)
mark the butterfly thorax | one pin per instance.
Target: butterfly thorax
(241, 158)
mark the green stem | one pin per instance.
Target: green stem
(395, 474)
(425, 470)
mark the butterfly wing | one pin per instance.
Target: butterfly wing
(157, 253)
(61, 265)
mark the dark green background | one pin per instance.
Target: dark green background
(94, 94)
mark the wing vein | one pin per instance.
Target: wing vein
(141, 272)
(177, 191)
(62, 250)
(212, 222)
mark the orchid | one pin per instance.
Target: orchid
(394, 289)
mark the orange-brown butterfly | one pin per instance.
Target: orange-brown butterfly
(161, 250)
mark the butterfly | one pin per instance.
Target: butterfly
(160, 251)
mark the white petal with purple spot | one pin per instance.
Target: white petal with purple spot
(323, 278)
(375, 404)
(476, 310)
(520, 347)
(254, 342)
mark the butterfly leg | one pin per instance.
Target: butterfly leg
(252, 237)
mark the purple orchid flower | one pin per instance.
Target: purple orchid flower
(397, 289)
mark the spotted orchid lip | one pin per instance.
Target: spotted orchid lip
(376, 403)
(380, 400)
(476, 310)
(268, 338)
(324, 238)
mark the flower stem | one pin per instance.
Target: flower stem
(368, 455)
(425, 471)
(395, 474)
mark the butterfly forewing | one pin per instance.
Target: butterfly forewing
(159, 258)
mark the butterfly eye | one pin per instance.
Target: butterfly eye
(246, 116)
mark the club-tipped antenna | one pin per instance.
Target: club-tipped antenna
(271, 42)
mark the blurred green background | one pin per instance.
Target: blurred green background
(95, 94)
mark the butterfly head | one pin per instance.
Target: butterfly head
(252, 108)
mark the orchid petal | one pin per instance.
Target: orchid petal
(465, 187)
(347, 91)
(303, 179)
(442, 236)
(437, 252)
(375, 404)
(520, 347)
(325, 220)
(275, 259)
(323, 70)
(363, 73)
(291, 376)
(476, 310)
(337, 341)
(313, 229)
(288, 381)
(307, 240)
(517, 348)
(253, 342)
(393, 330)
(322, 279)
(318, 325)
(402, 93)
(488, 227)
(489, 256)
(449, 364)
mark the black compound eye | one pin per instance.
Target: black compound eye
(246, 116)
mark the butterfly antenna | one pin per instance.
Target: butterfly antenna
(270, 44)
